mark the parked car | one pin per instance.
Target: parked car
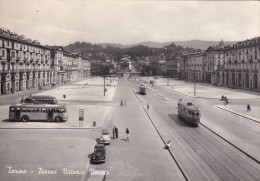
(105, 136)
(99, 155)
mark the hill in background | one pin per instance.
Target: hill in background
(196, 44)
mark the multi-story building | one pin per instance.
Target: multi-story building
(242, 64)
(173, 68)
(24, 64)
(66, 66)
(214, 64)
(235, 66)
(192, 67)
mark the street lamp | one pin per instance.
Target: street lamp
(194, 79)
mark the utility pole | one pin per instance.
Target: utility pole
(194, 84)
(104, 85)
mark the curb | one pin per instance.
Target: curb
(54, 128)
(175, 160)
(238, 114)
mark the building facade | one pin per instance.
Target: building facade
(235, 66)
(26, 64)
(242, 64)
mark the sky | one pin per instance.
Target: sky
(62, 22)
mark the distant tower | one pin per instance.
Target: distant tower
(221, 43)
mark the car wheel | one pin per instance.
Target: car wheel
(25, 118)
(58, 119)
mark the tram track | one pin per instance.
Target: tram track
(175, 160)
(239, 152)
(230, 143)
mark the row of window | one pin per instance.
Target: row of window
(18, 46)
(33, 109)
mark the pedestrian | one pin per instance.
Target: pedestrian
(148, 106)
(116, 131)
(125, 102)
(226, 99)
(121, 104)
(248, 108)
(168, 144)
(127, 133)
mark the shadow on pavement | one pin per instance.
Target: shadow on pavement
(181, 122)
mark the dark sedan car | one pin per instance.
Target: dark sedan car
(99, 155)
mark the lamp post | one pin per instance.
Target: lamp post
(195, 78)
(104, 85)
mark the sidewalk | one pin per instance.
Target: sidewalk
(211, 92)
(206, 90)
(241, 110)
(87, 94)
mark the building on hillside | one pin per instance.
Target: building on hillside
(24, 64)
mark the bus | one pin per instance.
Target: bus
(189, 112)
(38, 112)
(40, 99)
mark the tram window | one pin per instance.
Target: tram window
(197, 114)
(12, 109)
(193, 114)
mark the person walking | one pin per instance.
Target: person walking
(248, 108)
(127, 134)
(121, 104)
(116, 131)
(148, 106)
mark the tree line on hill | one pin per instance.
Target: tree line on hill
(136, 53)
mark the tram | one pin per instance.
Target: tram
(142, 90)
(189, 112)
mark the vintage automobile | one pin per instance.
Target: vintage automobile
(99, 155)
(105, 136)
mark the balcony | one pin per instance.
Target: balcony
(14, 71)
(22, 70)
(5, 71)
(13, 60)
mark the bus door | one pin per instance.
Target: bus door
(17, 113)
(50, 114)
